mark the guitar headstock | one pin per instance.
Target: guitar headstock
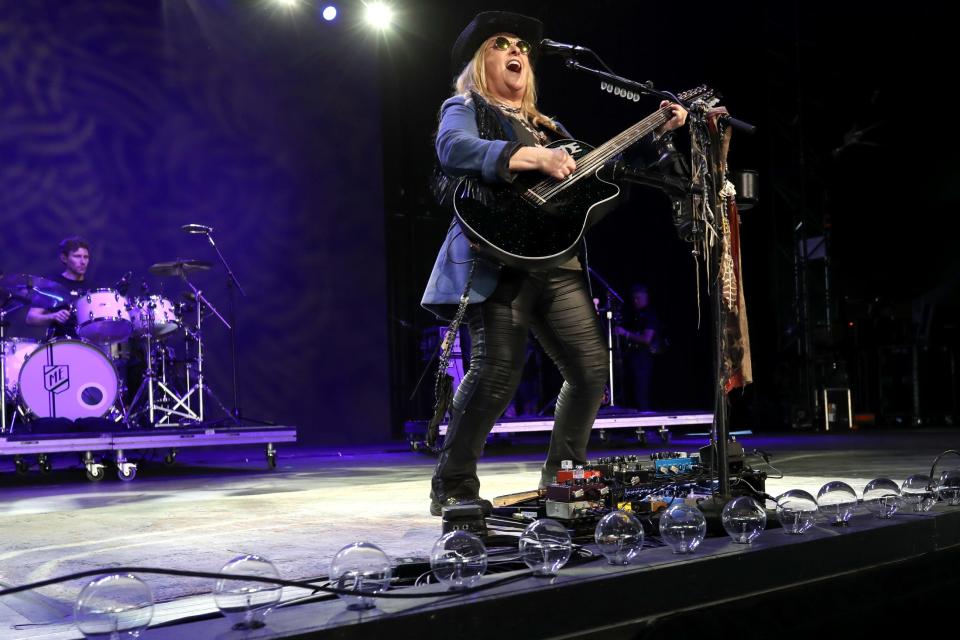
(702, 94)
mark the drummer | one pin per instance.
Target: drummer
(58, 318)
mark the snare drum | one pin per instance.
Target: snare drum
(102, 316)
(155, 316)
(68, 379)
(15, 352)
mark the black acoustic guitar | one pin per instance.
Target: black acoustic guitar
(536, 222)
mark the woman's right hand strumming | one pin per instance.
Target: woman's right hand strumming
(556, 163)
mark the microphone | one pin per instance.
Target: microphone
(197, 228)
(739, 125)
(552, 47)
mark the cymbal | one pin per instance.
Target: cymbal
(178, 267)
(36, 291)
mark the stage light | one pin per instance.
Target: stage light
(620, 537)
(744, 519)
(881, 497)
(917, 494)
(683, 527)
(948, 487)
(378, 15)
(363, 568)
(837, 502)
(245, 603)
(288, 4)
(545, 547)
(797, 511)
(329, 12)
(113, 605)
(459, 559)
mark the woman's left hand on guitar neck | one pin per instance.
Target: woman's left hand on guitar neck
(677, 120)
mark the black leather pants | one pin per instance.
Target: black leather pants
(556, 305)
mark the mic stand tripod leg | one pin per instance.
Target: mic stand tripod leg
(233, 286)
(610, 355)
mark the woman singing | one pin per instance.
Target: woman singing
(491, 129)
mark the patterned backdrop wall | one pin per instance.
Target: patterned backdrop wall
(121, 121)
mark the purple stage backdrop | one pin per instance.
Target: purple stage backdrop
(121, 121)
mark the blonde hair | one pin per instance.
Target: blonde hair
(474, 78)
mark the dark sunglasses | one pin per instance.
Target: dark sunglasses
(504, 43)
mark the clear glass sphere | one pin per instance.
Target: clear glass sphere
(838, 502)
(881, 497)
(244, 603)
(683, 527)
(948, 487)
(545, 547)
(459, 559)
(620, 537)
(114, 607)
(917, 493)
(361, 567)
(744, 519)
(797, 511)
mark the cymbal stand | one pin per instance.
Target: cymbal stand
(200, 387)
(155, 378)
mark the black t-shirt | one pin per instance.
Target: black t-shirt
(73, 289)
(638, 321)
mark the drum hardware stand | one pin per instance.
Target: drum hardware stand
(232, 284)
(147, 385)
(182, 405)
(200, 385)
(3, 370)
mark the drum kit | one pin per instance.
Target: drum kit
(83, 375)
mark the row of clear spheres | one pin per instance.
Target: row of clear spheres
(123, 604)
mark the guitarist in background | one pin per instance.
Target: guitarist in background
(640, 333)
(491, 129)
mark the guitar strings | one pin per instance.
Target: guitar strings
(596, 158)
(546, 189)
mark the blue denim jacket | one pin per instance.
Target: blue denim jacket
(462, 152)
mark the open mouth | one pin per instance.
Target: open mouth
(514, 65)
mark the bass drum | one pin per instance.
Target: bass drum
(68, 379)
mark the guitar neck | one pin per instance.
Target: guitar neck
(592, 161)
(614, 146)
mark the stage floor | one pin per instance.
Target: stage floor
(217, 504)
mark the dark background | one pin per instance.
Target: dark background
(852, 146)
(307, 146)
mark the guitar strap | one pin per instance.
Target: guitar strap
(489, 127)
(443, 383)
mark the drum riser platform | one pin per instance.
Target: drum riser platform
(172, 438)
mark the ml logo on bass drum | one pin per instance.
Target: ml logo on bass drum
(56, 378)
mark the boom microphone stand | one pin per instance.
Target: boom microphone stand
(631, 90)
(611, 294)
(232, 284)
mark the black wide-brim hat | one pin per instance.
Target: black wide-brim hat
(488, 23)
